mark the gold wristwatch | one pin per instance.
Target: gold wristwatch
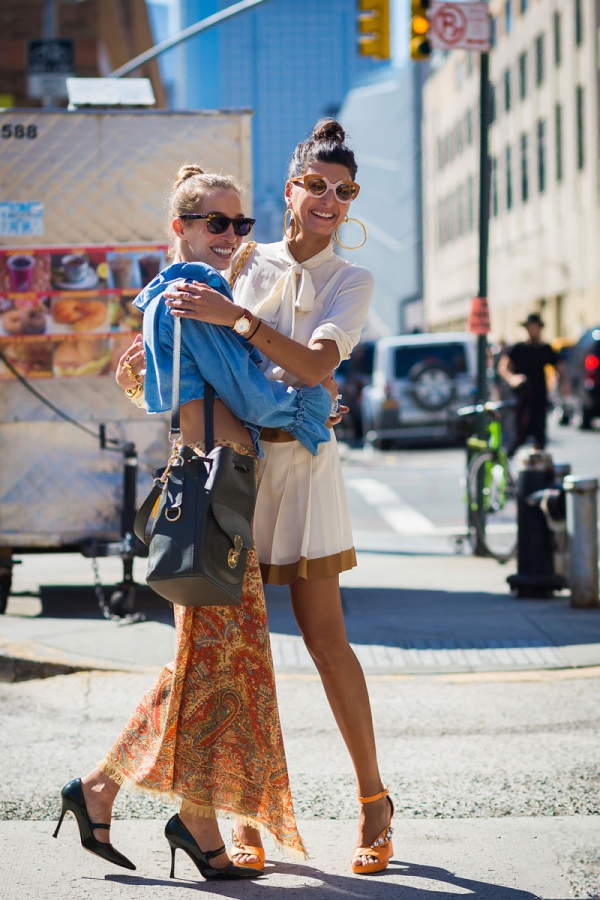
(242, 325)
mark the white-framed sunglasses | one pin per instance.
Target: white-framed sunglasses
(317, 185)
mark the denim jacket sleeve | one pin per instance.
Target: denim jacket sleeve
(225, 362)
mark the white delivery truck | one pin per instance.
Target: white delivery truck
(82, 229)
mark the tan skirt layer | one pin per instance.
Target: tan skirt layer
(302, 522)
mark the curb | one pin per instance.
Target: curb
(27, 661)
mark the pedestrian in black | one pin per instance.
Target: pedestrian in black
(523, 367)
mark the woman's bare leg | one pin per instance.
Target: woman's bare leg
(205, 832)
(99, 792)
(317, 607)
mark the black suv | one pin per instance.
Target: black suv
(583, 372)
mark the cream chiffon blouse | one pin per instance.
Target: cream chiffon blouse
(323, 298)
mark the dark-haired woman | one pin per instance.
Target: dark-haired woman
(308, 309)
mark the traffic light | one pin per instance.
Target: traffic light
(374, 28)
(420, 48)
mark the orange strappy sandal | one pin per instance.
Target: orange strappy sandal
(381, 848)
(238, 849)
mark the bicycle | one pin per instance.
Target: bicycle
(492, 527)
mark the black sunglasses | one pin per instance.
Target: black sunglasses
(218, 224)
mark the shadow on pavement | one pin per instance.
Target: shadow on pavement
(398, 617)
(323, 884)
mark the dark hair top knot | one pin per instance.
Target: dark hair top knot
(325, 145)
(329, 130)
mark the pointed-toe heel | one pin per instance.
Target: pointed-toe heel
(73, 801)
(382, 848)
(179, 838)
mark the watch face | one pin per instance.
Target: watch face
(242, 325)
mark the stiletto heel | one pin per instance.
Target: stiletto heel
(60, 821)
(382, 848)
(73, 801)
(179, 838)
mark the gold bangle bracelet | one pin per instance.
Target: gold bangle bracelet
(134, 393)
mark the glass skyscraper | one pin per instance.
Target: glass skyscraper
(291, 61)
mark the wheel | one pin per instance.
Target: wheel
(586, 420)
(495, 525)
(5, 586)
(432, 386)
(122, 601)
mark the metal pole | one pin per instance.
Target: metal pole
(583, 579)
(235, 10)
(49, 31)
(484, 222)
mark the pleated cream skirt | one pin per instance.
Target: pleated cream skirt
(302, 522)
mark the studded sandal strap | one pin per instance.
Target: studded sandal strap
(375, 797)
(210, 854)
(99, 825)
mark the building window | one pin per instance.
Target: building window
(507, 16)
(469, 64)
(522, 76)
(440, 161)
(440, 223)
(459, 210)
(539, 59)
(494, 186)
(557, 42)
(492, 104)
(459, 137)
(578, 24)
(471, 203)
(469, 127)
(524, 168)
(508, 167)
(494, 31)
(580, 128)
(559, 140)
(507, 96)
(524, 6)
(541, 155)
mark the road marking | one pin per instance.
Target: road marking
(402, 518)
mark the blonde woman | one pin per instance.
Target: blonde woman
(208, 732)
(308, 308)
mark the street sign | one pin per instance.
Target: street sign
(460, 26)
(49, 64)
(479, 318)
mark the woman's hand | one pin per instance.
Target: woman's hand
(199, 301)
(132, 365)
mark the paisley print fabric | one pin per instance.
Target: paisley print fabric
(208, 732)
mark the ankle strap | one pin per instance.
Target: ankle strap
(382, 793)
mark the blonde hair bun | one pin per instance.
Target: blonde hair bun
(329, 130)
(186, 172)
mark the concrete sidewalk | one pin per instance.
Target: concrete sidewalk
(405, 614)
(487, 859)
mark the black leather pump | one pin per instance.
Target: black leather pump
(73, 801)
(179, 838)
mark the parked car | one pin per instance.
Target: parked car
(419, 381)
(353, 375)
(583, 375)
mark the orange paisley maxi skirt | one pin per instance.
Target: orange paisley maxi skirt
(208, 732)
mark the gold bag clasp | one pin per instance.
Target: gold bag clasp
(234, 555)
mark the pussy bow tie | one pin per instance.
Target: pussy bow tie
(293, 292)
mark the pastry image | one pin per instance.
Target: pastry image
(11, 322)
(32, 359)
(81, 357)
(34, 320)
(80, 315)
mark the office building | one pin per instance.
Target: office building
(544, 203)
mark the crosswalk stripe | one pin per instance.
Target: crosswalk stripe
(402, 518)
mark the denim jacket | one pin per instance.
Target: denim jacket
(227, 361)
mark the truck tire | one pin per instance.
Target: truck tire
(432, 386)
(5, 586)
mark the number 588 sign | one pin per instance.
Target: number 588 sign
(460, 26)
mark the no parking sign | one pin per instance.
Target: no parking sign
(460, 26)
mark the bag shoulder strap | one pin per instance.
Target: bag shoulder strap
(209, 397)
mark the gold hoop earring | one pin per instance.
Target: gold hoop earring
(358, 246)
(292, 222)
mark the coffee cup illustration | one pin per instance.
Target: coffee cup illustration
(120, 268)
(20, 272)
(75, 267)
